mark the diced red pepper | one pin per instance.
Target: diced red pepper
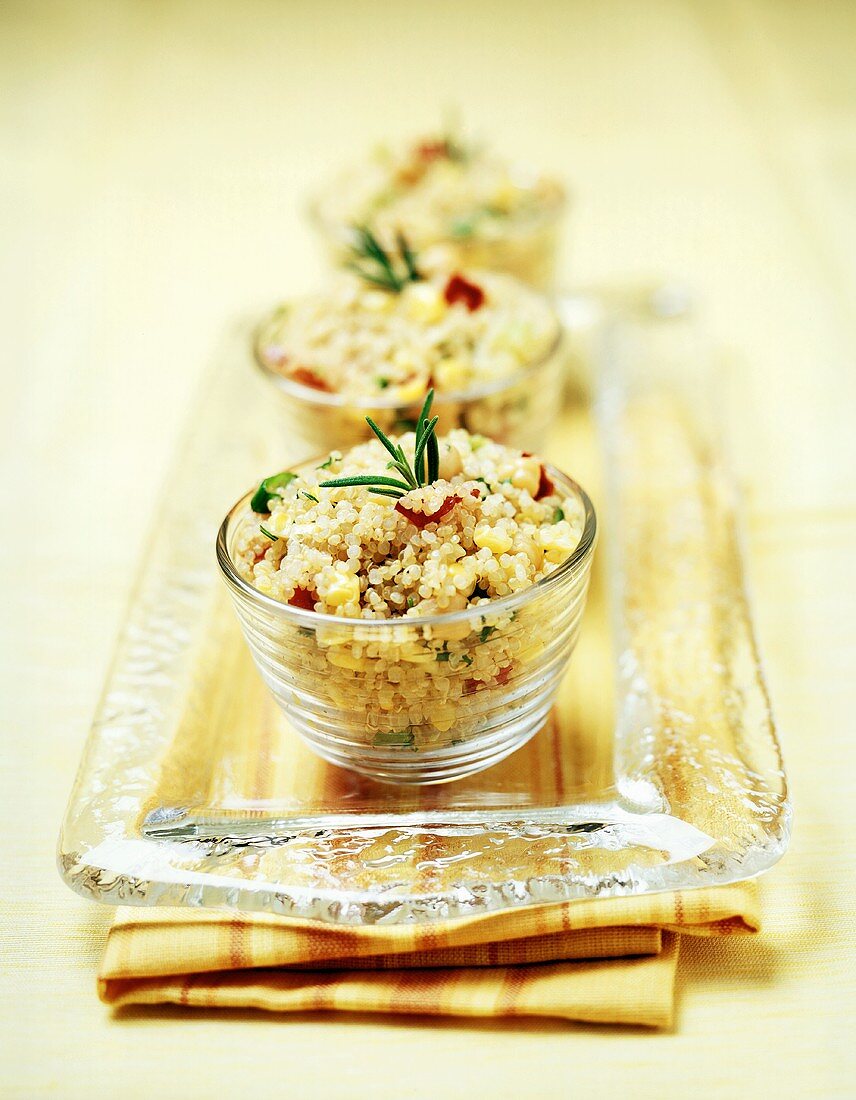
(303, 598)
(545, 485)
(307, 377)
(471, 685)
(503, 674)
(420, 519)
(458, 289)
(432, 150)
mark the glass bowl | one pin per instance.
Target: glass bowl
(417, 699)
(517, 409)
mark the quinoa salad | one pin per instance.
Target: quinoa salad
(430, 616)
(492, 524)
(451, 331)
(440, 188)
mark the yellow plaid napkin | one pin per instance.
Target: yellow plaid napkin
(605, 961)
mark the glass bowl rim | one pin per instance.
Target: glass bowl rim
(572, 565)
(309, 396)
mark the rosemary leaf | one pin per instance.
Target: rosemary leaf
(396, 494)
(433, 453)
(385, 440)
(424, 436)
(364, 479)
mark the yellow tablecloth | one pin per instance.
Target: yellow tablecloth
(151, 186)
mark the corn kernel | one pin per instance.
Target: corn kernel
(526, 475)
(343, 588)
(505, 195)
(410, 391)
(378, 301)
(425, 303)
(489, 538)
(342, 659)
(450, 374)
(443, 718)
(557, 542)
(450, 461)
(278, 523)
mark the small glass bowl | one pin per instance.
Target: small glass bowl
(525, 247)
(517, 409)
(417, 700)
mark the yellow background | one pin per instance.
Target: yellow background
(154, 161)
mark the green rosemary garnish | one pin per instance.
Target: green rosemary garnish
(268, 534)
(380, 267)
(309, 496)
(267, 490)
(426, 451)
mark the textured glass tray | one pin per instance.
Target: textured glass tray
(659, 768)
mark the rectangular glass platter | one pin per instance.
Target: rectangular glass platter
(659, 768)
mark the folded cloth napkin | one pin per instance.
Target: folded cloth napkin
(608, 960)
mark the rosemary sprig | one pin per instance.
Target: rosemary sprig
(411, 476)
(380, 267)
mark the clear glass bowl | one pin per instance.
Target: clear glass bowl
(517, 409)
(417, 700)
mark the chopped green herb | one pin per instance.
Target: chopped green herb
(464, 227)
(558, 515)
(382, 383)
(405, 738)
(411, 601)
(477, 442)
(486, 632)
(466, 658)
(326, 465)
(309, 496)
(443, 655)
(267, 489)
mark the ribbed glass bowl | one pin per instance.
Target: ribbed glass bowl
(417, 700)
(517, 409)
